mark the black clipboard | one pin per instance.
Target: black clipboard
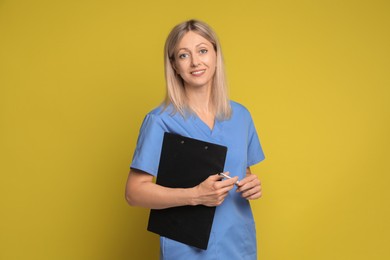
(184, 163)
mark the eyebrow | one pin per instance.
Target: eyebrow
(189, 49)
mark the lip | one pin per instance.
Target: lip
(198, 73)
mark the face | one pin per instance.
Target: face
(195, 60)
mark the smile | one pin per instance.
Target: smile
(198, 72)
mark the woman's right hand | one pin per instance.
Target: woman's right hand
(212, 191)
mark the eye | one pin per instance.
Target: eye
(203, 51)
(183, 55)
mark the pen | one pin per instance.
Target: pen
(227, 176)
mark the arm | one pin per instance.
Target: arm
(250, 186)
(142, 191)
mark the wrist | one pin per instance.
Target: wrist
(193, 199)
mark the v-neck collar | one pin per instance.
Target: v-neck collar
(204, 127)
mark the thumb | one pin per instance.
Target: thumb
(215, 177)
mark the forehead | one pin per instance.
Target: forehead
(192, 39)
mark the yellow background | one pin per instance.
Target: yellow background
(77, 78)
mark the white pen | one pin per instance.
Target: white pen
(227, 177)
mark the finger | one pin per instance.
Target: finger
(251, 192)
(215, 177)
(224, 194)
(227, 189)
(254, 196)
(247, 179)
(248, 185)
(226, 183)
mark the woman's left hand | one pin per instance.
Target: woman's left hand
(250, 186)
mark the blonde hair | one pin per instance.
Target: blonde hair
(175, 93)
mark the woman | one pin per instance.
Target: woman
(197, 106)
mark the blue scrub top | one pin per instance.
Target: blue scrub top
(233, 234)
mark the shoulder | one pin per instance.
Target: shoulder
(152, 118)
(155, 111)
(161, 111)
(161, 117)
(157, 114)
(239, 109)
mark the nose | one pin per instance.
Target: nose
(195, 62)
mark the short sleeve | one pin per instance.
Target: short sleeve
(147, 152)
(255, 152)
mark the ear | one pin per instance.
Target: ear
(174, 66)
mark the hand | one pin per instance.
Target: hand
(213, 191)
(250, 186)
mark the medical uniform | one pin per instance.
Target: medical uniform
(233, 234)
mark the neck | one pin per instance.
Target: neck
(199, 99)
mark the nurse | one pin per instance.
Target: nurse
(197, 106)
